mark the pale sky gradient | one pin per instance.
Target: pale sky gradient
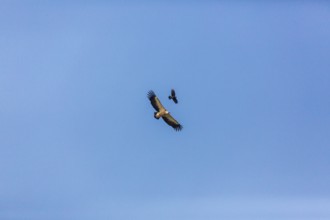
(77, 135)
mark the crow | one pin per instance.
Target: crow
(173, 96)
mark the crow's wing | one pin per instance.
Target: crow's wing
(172, 92)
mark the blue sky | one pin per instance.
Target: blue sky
(77, 135)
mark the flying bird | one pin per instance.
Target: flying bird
(161, 112)
(173, 96)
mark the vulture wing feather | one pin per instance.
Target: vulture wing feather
(172, 122)
(155, 101)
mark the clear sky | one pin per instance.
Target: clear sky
(77, 135)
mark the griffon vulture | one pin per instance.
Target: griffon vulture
(162, 112)
(173, 96)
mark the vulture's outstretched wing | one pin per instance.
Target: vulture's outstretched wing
(172, 122)
(155, 101)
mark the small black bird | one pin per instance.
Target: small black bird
(173, 97)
